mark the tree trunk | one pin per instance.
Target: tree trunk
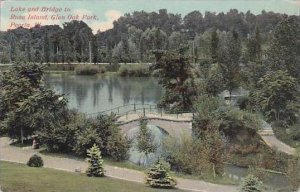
(22, 136)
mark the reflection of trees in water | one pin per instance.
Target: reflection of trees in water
(126, 92)
(90, 90)
(97, 86)
(112, 82)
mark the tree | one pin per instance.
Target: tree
(277, 96)
(213, 84)
(46, 51)
(159, 177)
(22, 97)
(95, 161)
(254, 68)
(103, 132)
(95, 50)
(214, 45)
(175, 75)
(251, 184)
(228, 58)
(284, 51)
(145, 139)
(254, 49)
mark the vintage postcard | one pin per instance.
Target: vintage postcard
(149, 95)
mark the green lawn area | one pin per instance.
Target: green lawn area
(21, 178)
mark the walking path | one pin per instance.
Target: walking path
(270, 139)
(21, 155)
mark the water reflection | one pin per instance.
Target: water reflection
(91, 94)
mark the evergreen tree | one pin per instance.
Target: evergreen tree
(254, 68)
(159, 177)
(214, 45)
(95, 50)
(145, 140)
(228, 57)
(175, 75)
(254, 47)
(251, 184)
(95, 161)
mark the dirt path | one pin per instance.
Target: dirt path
(270, 139)
(21, 155)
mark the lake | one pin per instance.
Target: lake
(92, 94)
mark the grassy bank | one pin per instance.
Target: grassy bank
(20, 178)
(139, 70)
(130, 70)
(89, 70)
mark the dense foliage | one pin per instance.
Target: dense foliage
(178, 82)
(26, 105)
(277, 95)
(132, 37)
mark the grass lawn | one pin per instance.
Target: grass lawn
(21, 178)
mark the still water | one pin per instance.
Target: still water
(92, 94)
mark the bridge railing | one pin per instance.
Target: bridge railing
(141, 109)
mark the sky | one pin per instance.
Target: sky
(102, 13)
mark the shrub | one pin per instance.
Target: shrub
(61, 137)
(35, 161)
(103, 132)
(243, 102)
(95, 161)
(112, 67)
(89, 70)
(134, 71)
(202, 157)
(159, 177)
(251, 184)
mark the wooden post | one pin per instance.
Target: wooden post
(134, 108)
(144, 111)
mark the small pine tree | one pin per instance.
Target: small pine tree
(159, 177)
(95, 161)
(251, 184)
(145, 139)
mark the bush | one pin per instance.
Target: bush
(35, 161)
(61, 137)
(134, 71)
(89, 70)
(112, 67)
(201, 157)
(251, 184)
(103, 132)
(159, 177)
(243, 102)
